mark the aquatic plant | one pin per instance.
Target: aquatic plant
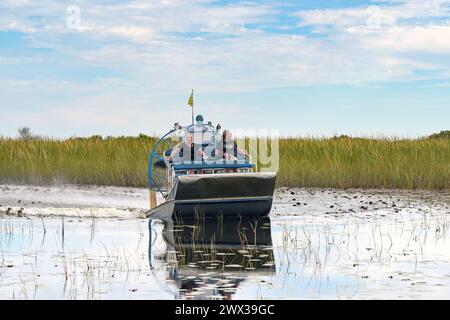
(365, 163)
(339, 162)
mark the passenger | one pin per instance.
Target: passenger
(227, 148)
(186, 151)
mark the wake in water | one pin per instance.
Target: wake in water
(120, 202)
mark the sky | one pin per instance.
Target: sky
(305, 68)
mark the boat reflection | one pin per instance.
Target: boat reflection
(209, 259)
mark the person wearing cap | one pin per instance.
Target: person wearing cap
(199, 120)
(203, 138)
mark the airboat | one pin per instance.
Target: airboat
(188, 178)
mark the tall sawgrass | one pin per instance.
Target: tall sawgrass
(118, 161)
(334, 162)
(365, 163)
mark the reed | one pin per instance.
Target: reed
(365, 163)
(340, 162)
(120, 161)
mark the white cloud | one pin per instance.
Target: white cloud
(16, 3)
(136, 19)
(141, 40)
(155, 51)
(390, 14)
(133, 33)
(14, 25)
(434, 39)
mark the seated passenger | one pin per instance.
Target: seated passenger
(227, 148)
(186, 151)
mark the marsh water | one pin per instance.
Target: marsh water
(316, 244)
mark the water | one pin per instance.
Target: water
(375, 254)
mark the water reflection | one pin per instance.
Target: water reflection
(209, 259)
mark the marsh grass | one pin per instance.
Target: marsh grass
(340, 162)
(365, 163)
(118, 161)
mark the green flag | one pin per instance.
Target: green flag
(191, 99)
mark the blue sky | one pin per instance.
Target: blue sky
(308, 67)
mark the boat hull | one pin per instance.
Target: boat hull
(220, 195)
(223, 207)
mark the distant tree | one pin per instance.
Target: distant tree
(143, 136)
(441, 135)
(25, 133)
(342, 136)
